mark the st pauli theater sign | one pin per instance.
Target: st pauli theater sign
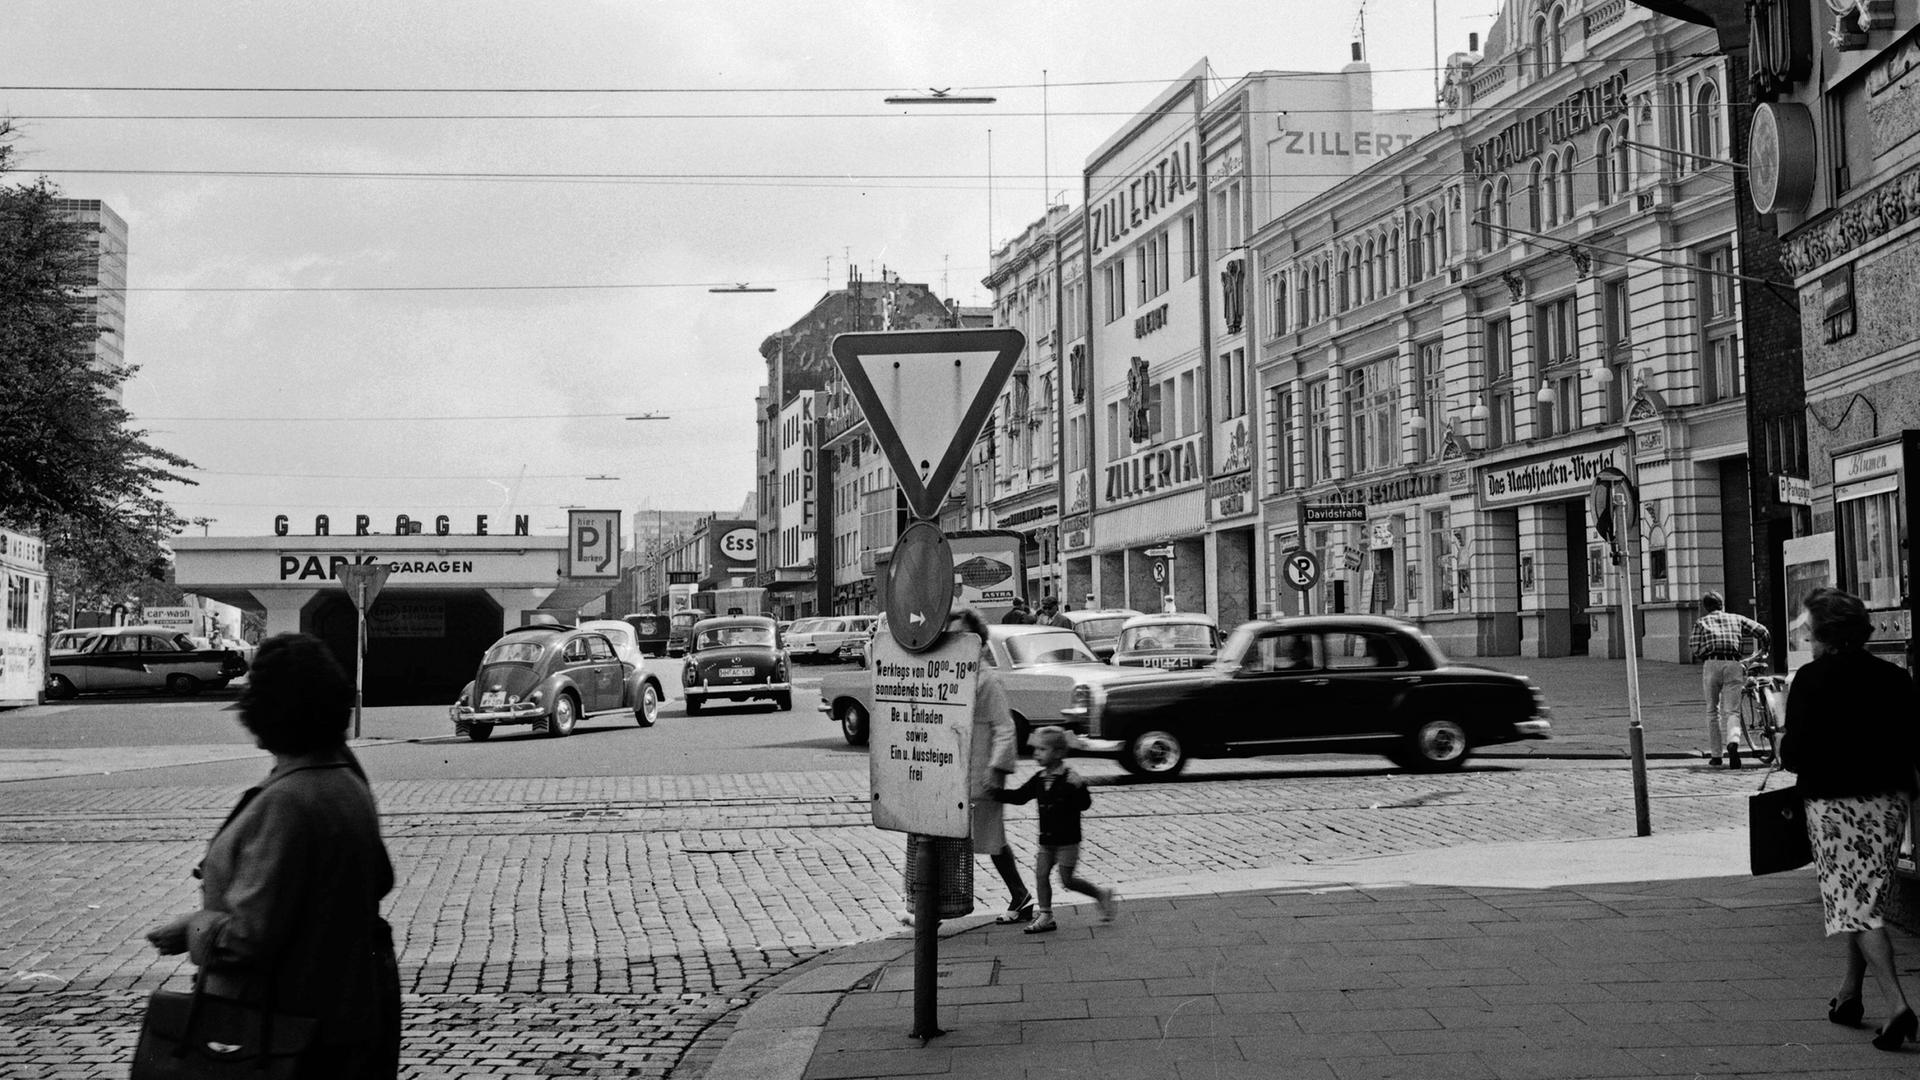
(1533, 135)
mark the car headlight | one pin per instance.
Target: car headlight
(534, 697)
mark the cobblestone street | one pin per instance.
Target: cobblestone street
(599, 926)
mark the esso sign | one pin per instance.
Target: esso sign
(738, 545)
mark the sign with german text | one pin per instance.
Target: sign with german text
(921, 735)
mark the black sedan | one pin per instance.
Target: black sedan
(140, 658)
(552, 677)
(735, 658)
(1316, 685)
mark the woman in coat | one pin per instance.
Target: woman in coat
(995, 754)
(291, 884)
(1853, 741)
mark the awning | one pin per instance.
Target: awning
(575, 595)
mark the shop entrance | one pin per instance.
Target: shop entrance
(1580, 622)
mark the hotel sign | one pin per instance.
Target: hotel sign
(1561, 475)
(1152, 472)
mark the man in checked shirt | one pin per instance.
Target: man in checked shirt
(1719, 642)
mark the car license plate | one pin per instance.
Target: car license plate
(735, 672)
(1171, 661)
(493, 697)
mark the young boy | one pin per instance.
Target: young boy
(1063, 795)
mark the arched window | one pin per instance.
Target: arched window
(1556, 39)
(1539, 45)
(1414, 272)
(1436, 241)
(1486, 217)
(1603, 165)
(1537, 196)
(1393, 260)
(1569, 161)
(1368, 279)
(1706, 123)
(1502, 208)
(1346, 281)
(1623, 159)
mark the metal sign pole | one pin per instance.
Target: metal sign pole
(359, 653)
(926, 938)
(1626, 522)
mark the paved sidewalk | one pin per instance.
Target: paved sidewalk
(1652, 957)
(1591, 714)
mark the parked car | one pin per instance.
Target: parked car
(626, 645)
(834, 638)
(551, 677)
(681, 626)
(1180, 639)
(1100, 628)
(146, 658)
(736, 658)
(1315, 685)
(1038, 665)
(651, 631)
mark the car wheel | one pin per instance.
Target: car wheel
(479, 732)
(853, 722)
(649, 708)
(561, 720)
(60, 688)
(1437, 746)
(783, 702)
(694, 705)
(183, 684)
(1155, 753)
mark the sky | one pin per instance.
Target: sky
(541, 196)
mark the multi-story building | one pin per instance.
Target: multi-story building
(1465, 336)
(106, 295)
(1161, 455)
(1014, 480)
(656, 534)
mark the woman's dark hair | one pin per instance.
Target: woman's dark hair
(969, 622)
(1837, 618)
(297, 699)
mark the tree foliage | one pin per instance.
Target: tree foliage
(72, 467)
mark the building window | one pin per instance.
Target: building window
(1371, 418)
(1499, 349)
(1190, 235)
(1319, 435)
(1433, 396)
(1540, 201)
(1603, 165)
(1280, 435)
(1720, 331)
(1230, 383)
(1569, 161)
(1553, 332)
(1276, 304)
(1486, 217)
(1414, 263)
(1500, 420)
(1441, 562)
(1706, 124)
(1502, 204)
(1498, 346)
(1616, 326)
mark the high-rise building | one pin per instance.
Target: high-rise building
(107, 295)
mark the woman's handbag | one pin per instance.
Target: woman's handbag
(199, 1036)
(1777, 829)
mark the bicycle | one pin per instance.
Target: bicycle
(1763, 708)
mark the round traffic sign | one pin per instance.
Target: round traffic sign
(1160, 570)
(919, 587)
(1301, 569)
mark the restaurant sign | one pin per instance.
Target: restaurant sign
(1152, 472)
(1231, 496)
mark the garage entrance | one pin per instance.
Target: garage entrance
(422, 645)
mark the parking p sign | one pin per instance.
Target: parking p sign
(593, 543)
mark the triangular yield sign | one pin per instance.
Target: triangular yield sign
(927, 395)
